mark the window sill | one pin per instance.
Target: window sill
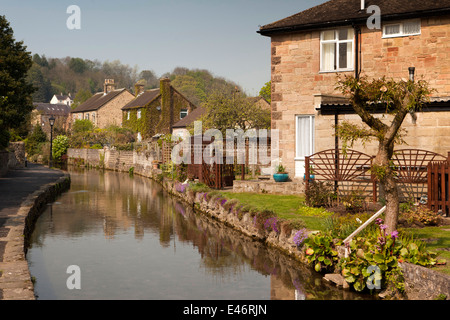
(337, 71)
(400, 36)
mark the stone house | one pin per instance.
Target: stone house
(311, 48)
(43, 111)
(104, 108)
(155, 111)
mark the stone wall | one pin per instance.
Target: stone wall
(424, 284)
(140, 162)
(17, 155)
(296, 187)
(297, 79)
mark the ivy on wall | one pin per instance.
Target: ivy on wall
(154, 121)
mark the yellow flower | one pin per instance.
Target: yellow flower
(310, 251)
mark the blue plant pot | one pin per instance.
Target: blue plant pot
(311, 177)
(281, 177)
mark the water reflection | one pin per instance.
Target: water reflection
(133, 241)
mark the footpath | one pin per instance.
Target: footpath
(24, 193)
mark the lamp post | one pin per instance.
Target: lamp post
(52, 122)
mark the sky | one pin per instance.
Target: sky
(159, 35)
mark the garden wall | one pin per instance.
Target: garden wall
(269, 186)
(116, 160)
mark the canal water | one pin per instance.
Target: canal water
(123, 237)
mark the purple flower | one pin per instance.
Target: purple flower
(300, 236)
(223, 202)
(394, 234)
(271, 223)
(379, 221)
(383, 226)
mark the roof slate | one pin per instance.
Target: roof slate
(143, 99)
(98, 100)
(54, 109)
(348, 11)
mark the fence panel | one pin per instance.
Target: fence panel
(438, 186)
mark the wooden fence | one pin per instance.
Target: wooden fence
(438, 186)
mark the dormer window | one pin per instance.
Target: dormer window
(402, 29)
(183, 113)
(336, 50)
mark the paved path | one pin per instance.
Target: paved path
(17, 187)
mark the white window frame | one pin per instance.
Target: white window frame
(337, 42)
(311, 134)
(139, 114)
(185, 112)
(401, 33)
(128, 114)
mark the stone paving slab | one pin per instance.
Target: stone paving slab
(21, 192)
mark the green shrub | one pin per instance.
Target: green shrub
(82, 126)
(320, 194)
(59, 147)
(321, 251)
(421, 215)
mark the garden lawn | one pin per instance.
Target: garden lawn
(285, 206)
(437, 239)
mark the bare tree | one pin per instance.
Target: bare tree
(399, 98)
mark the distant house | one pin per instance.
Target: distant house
(104, 108)
(156, 111)
(43, 111)
(260, 101)
(311, 48)
(62, 99)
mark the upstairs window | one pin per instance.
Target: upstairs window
(128, 115)
(402, 29)
(336, 50)
(183, 113)
(139, 113)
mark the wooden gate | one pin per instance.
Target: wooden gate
(438, 186)
(214, 175)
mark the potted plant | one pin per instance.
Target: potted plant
(281, 175)
(311, 174)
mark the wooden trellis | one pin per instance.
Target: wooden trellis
(346, 170)
(352, 169)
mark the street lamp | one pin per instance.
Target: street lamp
(52, 122)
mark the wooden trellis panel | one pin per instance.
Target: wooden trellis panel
(412, 174)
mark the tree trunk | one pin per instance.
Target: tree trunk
(387, 180)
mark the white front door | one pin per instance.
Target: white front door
(304, 142)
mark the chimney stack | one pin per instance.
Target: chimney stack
(108, 86)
